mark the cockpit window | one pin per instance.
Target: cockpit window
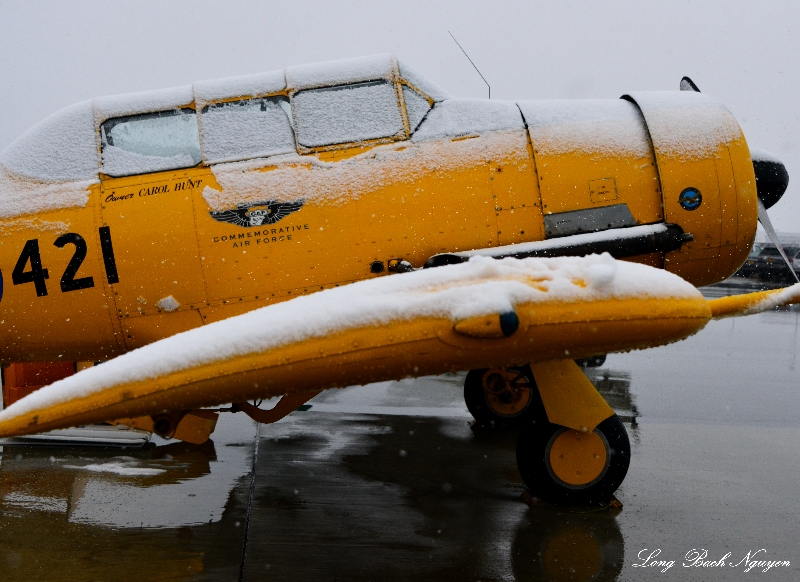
(254, 128)
(347, 114)
(417, 107)
(153, 142)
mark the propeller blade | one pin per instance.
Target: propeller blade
(763, 218)
(688, 85)
(772, 179)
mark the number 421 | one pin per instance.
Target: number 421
(38, 274)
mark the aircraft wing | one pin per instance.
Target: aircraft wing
(479, 314)
(750, 303)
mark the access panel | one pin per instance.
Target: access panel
(148, 221)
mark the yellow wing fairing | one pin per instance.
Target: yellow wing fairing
(387, 328)
(489, 326)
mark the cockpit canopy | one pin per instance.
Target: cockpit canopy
(317, 107)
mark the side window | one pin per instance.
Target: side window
(417, 107)
(247, 129)
(346, 114)
(153, 142)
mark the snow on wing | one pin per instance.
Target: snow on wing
(425, 322)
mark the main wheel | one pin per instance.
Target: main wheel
(503, 397)
(563, 466)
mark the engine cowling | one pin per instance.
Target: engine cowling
(708, 184)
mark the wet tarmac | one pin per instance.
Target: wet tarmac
(389, 482)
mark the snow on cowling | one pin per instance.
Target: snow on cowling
(685, 124)
(481, 286)
(606, 127)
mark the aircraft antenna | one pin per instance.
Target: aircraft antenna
(473, 64)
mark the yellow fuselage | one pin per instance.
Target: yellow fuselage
(157, 262)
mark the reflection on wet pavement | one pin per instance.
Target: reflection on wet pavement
(389, 482)
(398, 498)
(172, 512)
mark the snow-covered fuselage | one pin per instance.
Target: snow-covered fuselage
(129, 219)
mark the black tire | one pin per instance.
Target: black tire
(592, 362)
(488, 409)
(535, 452)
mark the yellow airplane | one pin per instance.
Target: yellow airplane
(349, 222)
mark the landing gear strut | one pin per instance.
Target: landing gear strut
(572, 448)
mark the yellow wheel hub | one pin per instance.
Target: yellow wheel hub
(506, 393)
(577, 458)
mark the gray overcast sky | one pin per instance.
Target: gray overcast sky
(745, 53)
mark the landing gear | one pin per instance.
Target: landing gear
(569, 463)
(563, 466)
(502, 397)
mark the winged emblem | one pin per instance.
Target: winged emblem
(257, 213)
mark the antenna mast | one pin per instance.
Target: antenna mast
(473, 64)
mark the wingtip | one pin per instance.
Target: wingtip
(752, 303)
